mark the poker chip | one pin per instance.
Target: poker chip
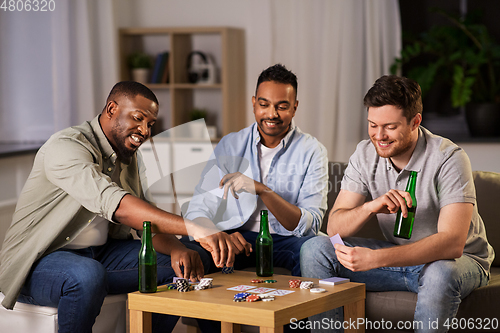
(294, 283)
(306, 284)
(257, 281)
(242, 295)
(252, 298)
(266, 297)
(317, 290)
(182, 285)
(227, 270)
(204, 283)
(270, 281)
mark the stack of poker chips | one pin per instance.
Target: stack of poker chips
(241, 297)
(227, 270)
(294, 283)
(182, 285)
(306, 284)
(252, 298)
(266, 298)
(205, 283)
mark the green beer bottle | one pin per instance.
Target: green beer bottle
(264, 247)
(147, 261)
(404, 225)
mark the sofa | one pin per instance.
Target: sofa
(397, 306)
(30, 318)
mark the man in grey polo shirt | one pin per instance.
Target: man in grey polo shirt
(69, 243)
(448, 255)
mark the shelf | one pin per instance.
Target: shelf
(178, 97)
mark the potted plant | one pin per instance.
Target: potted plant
(198, 129)
(463, 57)
(140, 64)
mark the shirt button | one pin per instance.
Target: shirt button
(110, 168)
(67, 238)
(399, 182)
(90, 221)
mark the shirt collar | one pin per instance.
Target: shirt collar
(102, 140)
(284, 142)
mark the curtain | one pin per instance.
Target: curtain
(337, 48)
(56, 67)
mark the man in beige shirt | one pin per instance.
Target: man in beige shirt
(69, 243)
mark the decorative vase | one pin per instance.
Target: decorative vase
(483, 119)
(140, 75)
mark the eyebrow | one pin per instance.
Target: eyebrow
(149, 113)
(280, 102)
(387, 124)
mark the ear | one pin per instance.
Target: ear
(253, 103)
(416, 121)
(111, 108)
(295, 107)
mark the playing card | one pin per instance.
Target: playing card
(280, 292)
(241, 287)
(261, 290)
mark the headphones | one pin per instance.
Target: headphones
(197, 73)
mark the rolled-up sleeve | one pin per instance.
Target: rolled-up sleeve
(312, 198)
(71, 166)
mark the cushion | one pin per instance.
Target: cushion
(487, 195)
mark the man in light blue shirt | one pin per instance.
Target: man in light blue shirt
(269, 165)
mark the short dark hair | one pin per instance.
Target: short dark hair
(131, 89)
(278, 73)
(398, 91)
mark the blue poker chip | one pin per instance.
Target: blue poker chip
(227, 270)
(241, 295)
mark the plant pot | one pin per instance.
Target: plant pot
(140, 75)
(483, 119)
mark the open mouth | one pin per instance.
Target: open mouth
(384, 144)
(136, 140)
(271, 124)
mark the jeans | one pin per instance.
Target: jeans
(440, 285)
(77, 281)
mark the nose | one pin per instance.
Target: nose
(273, 112)
(380, 133)
(144, 129)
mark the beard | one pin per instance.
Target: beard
(398, 147)
(119, 136)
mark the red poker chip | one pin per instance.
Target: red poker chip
(252, 298)
(294, 283)
(257, 281)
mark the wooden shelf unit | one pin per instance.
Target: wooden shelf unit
(179, 43)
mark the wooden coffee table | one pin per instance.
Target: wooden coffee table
(217, 304)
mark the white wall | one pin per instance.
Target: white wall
(483, 156)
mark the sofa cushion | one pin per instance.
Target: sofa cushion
(487, 194)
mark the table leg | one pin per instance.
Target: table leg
(352, 312)
(226, 327)
(140, 322)
(271, 329)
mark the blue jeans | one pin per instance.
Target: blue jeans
(77, 281)
(440, 285)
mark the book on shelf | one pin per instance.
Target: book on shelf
(165, 74)
(160, 71)
(334, 280)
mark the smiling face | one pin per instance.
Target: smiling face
(274, 107)
(129, 123)
(391, 134)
